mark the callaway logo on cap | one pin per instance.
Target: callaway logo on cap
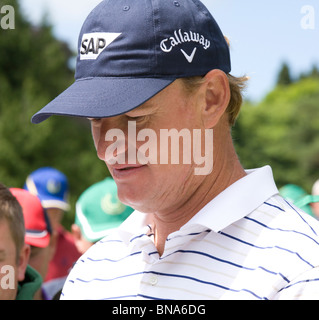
(180, 37)
(129, 51)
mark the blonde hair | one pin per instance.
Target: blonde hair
(236, 86)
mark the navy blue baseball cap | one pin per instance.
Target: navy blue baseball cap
(128, 51)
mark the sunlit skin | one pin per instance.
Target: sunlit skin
(315, 209)
(172, 194)
(8, 257)
(81, 243)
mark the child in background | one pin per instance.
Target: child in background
(37, 235)
(51, 186)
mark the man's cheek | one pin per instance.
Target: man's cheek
(95, 135)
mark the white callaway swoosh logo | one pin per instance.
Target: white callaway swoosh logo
(191, 57)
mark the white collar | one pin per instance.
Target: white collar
(234, 203)
(237, 201)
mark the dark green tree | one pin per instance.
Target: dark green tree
(284, 76)
(314, 73)
(34, 69)
(283, 131)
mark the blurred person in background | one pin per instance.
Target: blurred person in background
(98, 210)
(299, 197)
(51, 186)
(14, 252)
(37, 235)
(315, 205)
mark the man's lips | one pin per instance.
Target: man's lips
(126, 166)
(125, 170)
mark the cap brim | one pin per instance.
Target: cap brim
(94, 231)
(102, 97)
(39, 239)
(54, 203)
(307, 200)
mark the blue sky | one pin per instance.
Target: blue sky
(263, 34)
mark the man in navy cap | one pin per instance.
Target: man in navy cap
(153, 77)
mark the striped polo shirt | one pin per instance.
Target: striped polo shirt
(247, 243)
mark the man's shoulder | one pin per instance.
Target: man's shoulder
(281, 214)
(93, 266)
(280, 226)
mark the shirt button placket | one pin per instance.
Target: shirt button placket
(153, 280)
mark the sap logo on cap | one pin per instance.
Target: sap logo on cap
(93, 44)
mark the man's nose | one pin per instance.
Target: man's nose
(110, 142)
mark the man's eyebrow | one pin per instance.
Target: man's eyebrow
(145, 107)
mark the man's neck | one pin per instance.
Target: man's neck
(227, 170)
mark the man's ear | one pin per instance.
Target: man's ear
(23, 261)
(76, 232)
(217, 97)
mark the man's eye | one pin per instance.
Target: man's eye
(137, 119)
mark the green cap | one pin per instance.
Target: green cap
(299, 197)
(98, 209)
